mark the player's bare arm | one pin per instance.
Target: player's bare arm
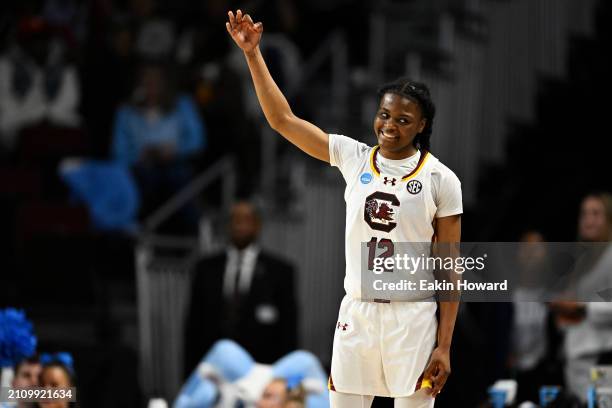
(306, 136)
(448, 230)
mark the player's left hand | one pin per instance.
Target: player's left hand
(567, 307)
(438, 370)
(568, 312)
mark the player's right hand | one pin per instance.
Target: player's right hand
(244, 32)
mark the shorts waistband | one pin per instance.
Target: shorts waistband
(378, 300)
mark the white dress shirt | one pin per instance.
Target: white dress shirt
(241, 263)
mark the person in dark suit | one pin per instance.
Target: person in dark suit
(244, 294)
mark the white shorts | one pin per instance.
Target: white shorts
(382, 348)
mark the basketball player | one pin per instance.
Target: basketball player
(396, 192)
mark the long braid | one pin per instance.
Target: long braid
(419, 93)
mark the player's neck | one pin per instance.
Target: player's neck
(399, 155)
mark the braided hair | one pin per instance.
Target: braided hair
(419, 93)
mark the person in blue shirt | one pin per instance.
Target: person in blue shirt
(155, 135)
(228, 376)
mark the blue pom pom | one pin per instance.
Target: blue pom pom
(17, 340)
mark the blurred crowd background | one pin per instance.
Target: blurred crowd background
(137, 172)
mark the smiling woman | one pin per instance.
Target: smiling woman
(404, 120)
(396, 191)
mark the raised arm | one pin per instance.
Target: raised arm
(306, 136)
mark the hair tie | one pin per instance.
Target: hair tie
(64, 358)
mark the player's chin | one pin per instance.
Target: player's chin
(392, 145)
(388, 142)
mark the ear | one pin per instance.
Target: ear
(422, 124)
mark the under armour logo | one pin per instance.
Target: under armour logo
(392, 181)
(342, 326)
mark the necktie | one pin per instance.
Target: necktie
(237, 275)
(234, 302)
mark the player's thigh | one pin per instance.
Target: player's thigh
(419, 399)
(343, 400)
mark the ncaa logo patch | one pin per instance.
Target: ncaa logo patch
(365, 178)
(414, 186)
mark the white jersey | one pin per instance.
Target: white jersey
(396, 200)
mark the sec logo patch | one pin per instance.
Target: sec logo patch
(414, 186)
(365, 178)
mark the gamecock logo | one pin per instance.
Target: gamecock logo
(379, 211)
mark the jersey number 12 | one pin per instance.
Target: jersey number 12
(385, 244)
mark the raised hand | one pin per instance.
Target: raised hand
(244, 32)
(301, 133)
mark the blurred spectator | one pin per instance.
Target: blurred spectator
(27, 374)
(157, 127)
(228, 376)
(154, 34)
(57, 372)
(278, 395)
(155, 39)
(588, 325)
(595, 222)
(36, 83)
(108, 74)
(530, 335)
(156, 134)
(244, 294)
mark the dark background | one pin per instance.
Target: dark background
(521, 87)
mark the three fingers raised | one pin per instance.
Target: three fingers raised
(239, 18)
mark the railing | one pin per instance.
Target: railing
(163, 275)
(223, 169)
(335, 51)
